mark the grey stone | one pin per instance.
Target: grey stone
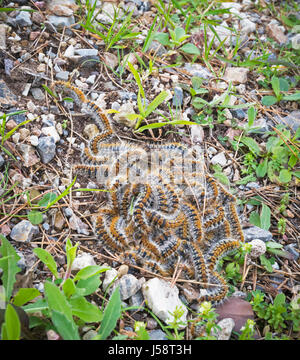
(163, 299)
(129, 285)
(255, 232)
(157, 335)
(239, 114)
(23, 19)
(260, 126)
(62, 75)
(86, 52)
(292, 120)
(38, 94)
(157, 48)
(137, 299)
(219, 159)
(253, 185)
(46, 148)
(23, 231)
(225, 329)
(2, 161)
(198, 70)
(292, 249)
(83, 260)
(61, 21)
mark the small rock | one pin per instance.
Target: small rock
(157, 335)
(89, 335)
(83, 260)
(61, 21)
(247, 27)
(238, 75)
(38, 94)
(24, 133)
(46, 148)
(23, 19)
(86, 52)
(2, 161)
(90, 131)
(62, 75)
(23, 231)
(275, 32)
(60, 10)
(51, 131)
(110, 60)
(292, 249)
(3, 28)
(198, 70)
(226, 326)
(157, 48)
(59, 220)
(110, 276)
(11, 124)
(28, 155)
(219, 159)
(292, 120)
(255, 232)
(136, 300)
(121, 117)
(78, 225)
(151, 323)
(197, 134)
(70, 51)
(163, 299)
(129, 285)
(258, 248)
(123, 270)
(296, 42)
(34, 140)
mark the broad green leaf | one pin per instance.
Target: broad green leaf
(254, 218)
(196, 82)
(66, 328)
(285, 176)
(179, 33)
(11, 329)
(69, 287)
(268, 100)
(89, 271)
(35, 217)
(283, 84)
(265, 217)
(57, 300)
(199, 103)
(89, 286)
(246, 180)
(8, 263)
(133, 117)
(47, 259)
(279, 300)
(47, 199)
(276, 85)
(292, 97)
(190, 49)
(251, 144)
(156, 102)
(25, 295)
(39, 305)
(222, 178)
(112, 313)
(262, 168)
(251, 116)
(85, 310)
(273, 245)
(162, 38)
(71, 252)
(266, 263)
